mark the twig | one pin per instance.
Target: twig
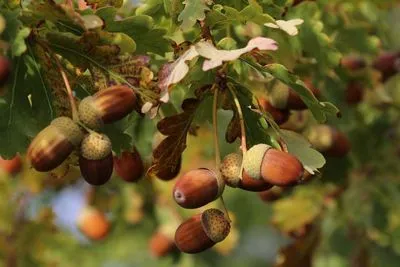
(241, 120)
(205, 31)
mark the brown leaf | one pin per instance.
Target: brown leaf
(233, 129)
(168, 153)
(300, 252)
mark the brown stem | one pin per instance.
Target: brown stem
(205, 31)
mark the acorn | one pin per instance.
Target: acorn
(197, 188)
(5, 70)
(54, 144)
(273, 166)
(230, 171)
(285, 98)
(354, 93)
(329, 140)
(279, 115)
(93, 223)
(353, 63)
(271, 195)
(160, 245)
(106, 106)
(202, 231)
(129, 165)
(11, 166)
(388, 64)
(96, 160)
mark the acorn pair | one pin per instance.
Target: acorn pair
(57, 141)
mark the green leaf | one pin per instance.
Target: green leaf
(297, 145)
(194, 10)
(15, 33)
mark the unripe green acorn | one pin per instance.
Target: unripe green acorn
(230, 171)
(202, 231)
(197, 188)
(54, 144)
(286, 98)
(329, 140)
(96, 160)
(273, 166)
(106, 106)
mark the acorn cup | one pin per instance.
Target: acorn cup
(285, 98)
(202, 231)
(93, 223)
(5, 70)
(160, 245)
(353, 63)
(106, 106)
(96, 160)
(197, 188)
(54, 144)
(279, 115)
(230, 171)
(329, 140)
(129, 165)
(273, 166)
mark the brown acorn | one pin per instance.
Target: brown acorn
(11, 166)
(96, 160)
(197, 188)
(298, 120)
(5, 70)
(230, 171)
(271, 195)
(329, 140)
(54, 144)
(93, 223)
(280, 115)
(273, 166)
(168, 173)
(129, 165)
(160, 245)
(388, 64)
(107, 106)
(202, 231)
(353, 63)
(286, 98)
(354, 93)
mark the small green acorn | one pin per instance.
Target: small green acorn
(54, 144)
(96, 160)
(106, 106)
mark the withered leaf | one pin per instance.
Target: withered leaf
(168, 153)
(233, 129)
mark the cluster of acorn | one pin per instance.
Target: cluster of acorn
(57, 141)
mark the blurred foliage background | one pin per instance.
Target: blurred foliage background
(346, 216)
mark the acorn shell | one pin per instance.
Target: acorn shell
(129, 166)
(96, 172)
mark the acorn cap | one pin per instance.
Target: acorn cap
(320, 136)
(215, 225)
(230, 169)
(70, 129)
(253, 160)
(278, 96)
(96, 146)
(89, 113)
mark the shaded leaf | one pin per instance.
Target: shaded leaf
(194, 10)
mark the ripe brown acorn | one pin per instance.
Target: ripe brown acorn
(329, 140)
(285, 98)
(54, 144)
(160, 245)
(95, 159)
(93, 223)
(388, 64)
(280, 115)
(107, 106)
(5, 70)
(273, 166)
(354, 93)
(353, 63)
(197, 187)
(230, 171)
(202, 231)
(129, 165)
(11, 166)
(271, 195)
